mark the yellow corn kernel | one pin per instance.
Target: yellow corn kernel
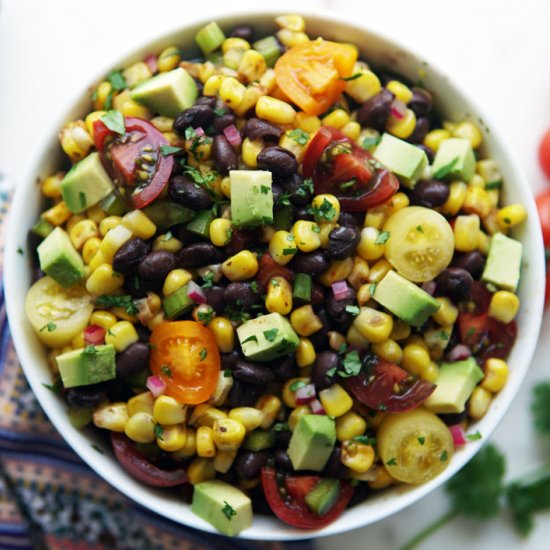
(189, 448)
(241, 266)
(365, 86)
(355, 338)
(434, 138)
(289, 141)
(203, 313)
(51, 186)
(206, 70)
(466, 231)
(234, 42)
(359, 274)
(72, 221)
(337, 119)
(121, 335)
(231, 91)
(415, 359)
(511, 215)
(134, 109)
(397, 202)
(400, 91)
(270, 406)
(274, 110)
(102, 93)
(205, 442)
(304, 321)
(249, 417)
(376, 418)
(121, 313)
(296, 414)
(108, 223)
(167, 411)
(102, 318)
(167, 242)
(404, 127)
(479, 402)
(352, 130)
(140, 427)
(172, 438)
(307, 123)
(389, 350)
(447, 312)
(142, 402)
(376, 217)
(206, 415)
(305, 353)
(477, 201)
(232, 58)
(326, 208)
(431, 372)
(289, 38)
(306, 235)
(282, 247)
(380, 478)
(200, 469)
(279, 296)
(224, 333)
(96, 213)
(163, 124)
(224, 460)
(82, 231)
(75, 140)
(97, 260)
(111, 416)
(250, 151)
(418, 340)
(120, 98)
(489, 171)
(225, 186)
(78, 341)
(57, 214)
(252, 65)
(137, 73)
(90, 248)
(267, 81)
(468, 130)
(504, 306)
(357, 456)
(369, 247)
(156, 320)
(289, 394)
(491, 225)
(338, 271)
(224, 384)
(496, 375)
(104, 280)
(253, 92)
(213, 84)
(335, 400)
(175, 280)
(400, 331)
(291, 22)
(324, 234)
(378, 270)
(113, 240)
(168, 59)
(457, 195)
(350, 425)
(220, 231)
(374, 325)
(91, 118)
(228, 434)
(335, 340)
(477, 181)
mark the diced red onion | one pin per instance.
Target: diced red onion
(429, 287)
(156, 385)
(398, 109)
(316, 407)
(233, 135)
(199, 131)
(151, 61)
(195, 292)
(94, 335)
(458, 353)
(458, 435)
(305, 394)
(340, 290)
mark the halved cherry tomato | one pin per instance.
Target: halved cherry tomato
(185, 355)
(312, 74)
(473, 328)
(543, 207)
(501, 340)
(341, 168)
(269, 268)
(134, 160)
(377, 389)
(544, 153)
(137, 465)
(293, 510)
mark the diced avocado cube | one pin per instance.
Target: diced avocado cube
(222, 505)
(167, 93)
(323, 496)
(165, 214)
(59, 259)
(405, 160)
(91, 365)
(85, 184)
(257, 440)
(312, 442)
(251, 198)
(454, 159)
(267, 337)
(177, 303)
(454, 385)
(503, 262)
(405, 299)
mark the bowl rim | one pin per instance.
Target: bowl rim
(80, 443)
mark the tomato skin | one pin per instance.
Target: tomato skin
(473, 328)
(543, 208)
(119, 157)
(176, 357)
(544, 154)
(298, 514)
(269, 268)
(137, 465)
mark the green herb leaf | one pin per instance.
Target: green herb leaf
(55, 387)
(420, 229)
(372, 289)
(474, 436)
(50, 327)
(190, 133)
(251, 338)
(352, 77)
(228, 510)
(392, 462)
(117, 80)
(166, 370)
(305, 188)
(166, 150)
(89, 351)
(354, 310)
(342, 348)
(446, 169)
(19, 250)
(271, 334)
(370, 142)
(208, 279)
(114, 121)
(206, 315)
(219, 112)
(96, 448)
(493, 185)
(124, 301)
(382, 237)
(299, 136)
(159, 432)
(265, 189)
(444, 456)
(82, 198)
(227, 373)
(331, 373)
(289, 251)
(365, 439)
(203, 354)
(324, 212)
(296, 385)
(351, 365)
(281, 427)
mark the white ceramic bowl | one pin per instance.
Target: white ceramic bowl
(450, 101)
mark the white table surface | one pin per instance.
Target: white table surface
(499, 50)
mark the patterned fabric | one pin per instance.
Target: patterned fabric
(49, 499)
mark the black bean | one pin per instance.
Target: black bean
(206, 100)
(198, 255)
(241, 294)
(283, 460)
(133, 359)
(284, 368)
(421, 128)
(312, 263)
(472, 262)
(224, 155)
(362, 492)
(188, 193)
(375, 111)
(243, 394)
(430, 193)
(282, 438)
(334, 467)
(246, 32)
(196, 116)
(223, 121)
(278, 160)
(303, 213)
(337, 308)
(353, 219)
(421, 102)
(186, 237)
(430, 153)
(156, 265)
(128, 256)
(342, 242)
(324, 362)
(317, 293)
(215, 298)
(138, 287)
(319, 339)
(86, 396)
(253, 373)
(143, 332)
(455, 283)
(277, 192)
(300, 194)
(229, 360)
(249, 464)
(241, 239)
(257, 128)
(454, 418)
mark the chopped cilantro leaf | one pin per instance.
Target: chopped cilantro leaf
(370, 142)
(289, 251)
(228, 510)
(351, 365)
(354, 310)
(324, 212)
(219, 112)
(446, 169)
(281, 427)
(305, 188)
(365, 439)
(296, 385)
(372, 289)
(473, 437)
(19, 250)
(382, 237)
(421, 440)
(55, 387)
(206, 315)
(50, 327)
(420, 229)
(208, 279)
(444, 456)
(89, 351)
(114, 121)
(124, 301)
(271, 334)
(264, 189)
(166, 370)
(392, 462)
(190, 133)
(352, 77)
(159, 432)
(331, 372)
(166, 150)
(117, 80)
(203, 354)
(493, 185)
(251, 338)
(299, 136)
(227, 373)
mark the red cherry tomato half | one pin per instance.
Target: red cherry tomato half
(543, 208)
(544, 154)
(135, 159)
(139, 467)
(294, 510)
(473, 328)
(377, 390)
(341, 168)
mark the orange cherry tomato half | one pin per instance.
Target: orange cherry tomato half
(184, 354)
(312, 74)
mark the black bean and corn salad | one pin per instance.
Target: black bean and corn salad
(275, 276)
